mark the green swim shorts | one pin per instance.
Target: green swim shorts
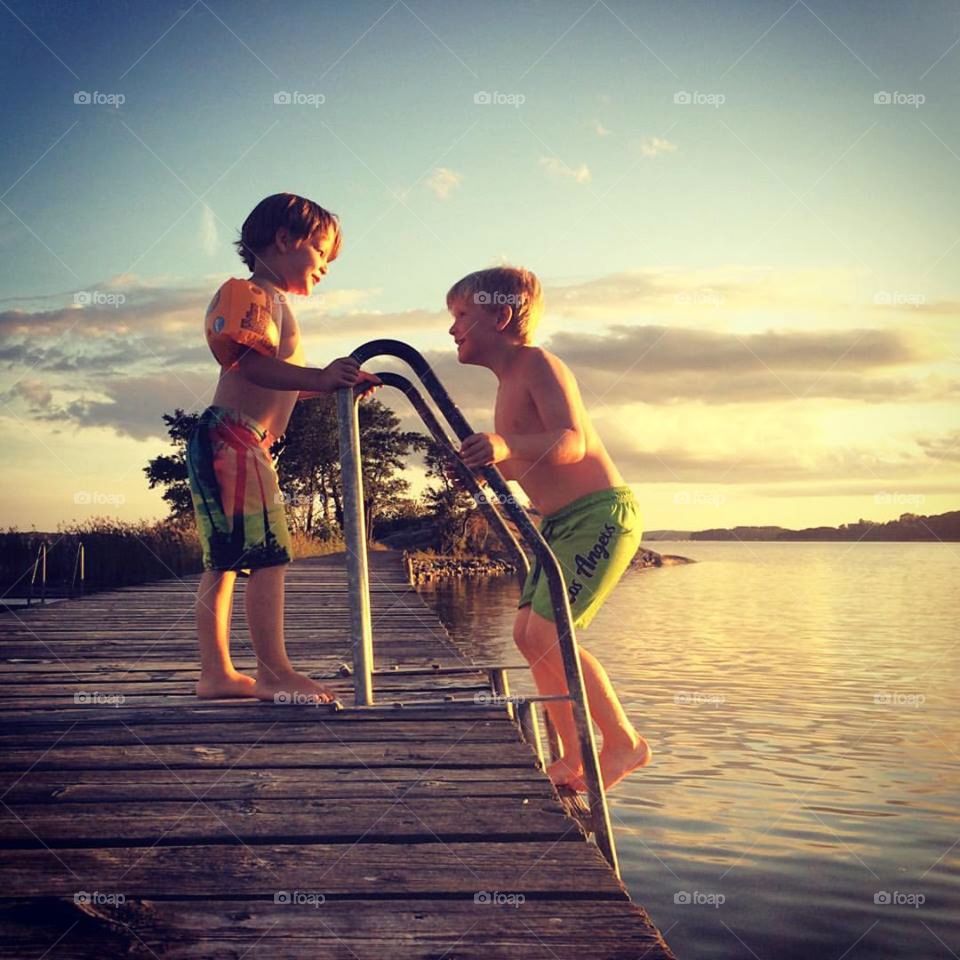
(594, 538)
(236, 494)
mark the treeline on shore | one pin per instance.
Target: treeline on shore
(907, 527)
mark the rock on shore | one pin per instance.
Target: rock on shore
(422, 568)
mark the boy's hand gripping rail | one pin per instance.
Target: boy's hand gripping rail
(354, 529)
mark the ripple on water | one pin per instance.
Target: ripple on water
(800, 699)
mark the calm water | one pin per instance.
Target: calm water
(801, 701)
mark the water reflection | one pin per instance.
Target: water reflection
(800, 699)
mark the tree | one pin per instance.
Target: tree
(170, 470)
(308, 466)
(383, 447)
(460, 525)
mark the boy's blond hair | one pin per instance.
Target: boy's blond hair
(504, 286)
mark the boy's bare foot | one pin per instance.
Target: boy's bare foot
(564, 773)
(293, 688)
(231, 684)
(618, 760)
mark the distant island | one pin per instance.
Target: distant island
(910, 526)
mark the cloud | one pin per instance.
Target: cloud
(366, 325)
(442, 182)
(555, 167)
(946, 447)
(676, 349)
(34, 392)
(600, 129)
(135, 405)
(702, 292)
(653, 146)
(99, 350)
(209, 240)
(660, 366)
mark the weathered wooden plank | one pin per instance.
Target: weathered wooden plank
(304, 820)
(190, 710)
(68, 695)
(260, 756)
(451, 929)
(263, 732)
(343, 783)
(357, 870)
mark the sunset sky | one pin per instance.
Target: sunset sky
(749, 262)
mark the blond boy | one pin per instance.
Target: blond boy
(287, 242)
(545, 441)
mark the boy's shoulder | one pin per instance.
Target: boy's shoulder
(539, 363)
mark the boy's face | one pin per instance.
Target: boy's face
(475, 330)
(306, 261)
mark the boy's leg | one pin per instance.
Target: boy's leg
(276, 678)
(623, 748)
(214, 606)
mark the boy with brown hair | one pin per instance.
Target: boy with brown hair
(545, 441)
(287, 242)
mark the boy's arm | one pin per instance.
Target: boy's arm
(275, 374)
(557, 399)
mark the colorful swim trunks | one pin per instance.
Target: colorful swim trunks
(594, 538)
(236, 493)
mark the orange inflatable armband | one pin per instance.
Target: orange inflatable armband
(240, 316)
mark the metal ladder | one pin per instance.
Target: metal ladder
(359, 582)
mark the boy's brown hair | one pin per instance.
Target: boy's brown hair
(504, 286)
(298, 214)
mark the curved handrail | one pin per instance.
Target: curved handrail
(566, 637)
(495, 520)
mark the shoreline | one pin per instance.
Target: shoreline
(425, 567)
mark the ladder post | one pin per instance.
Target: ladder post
(553, 741)
(355, 533)
(501, 687)
(530, 728)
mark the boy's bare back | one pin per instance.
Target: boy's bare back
(538, 393)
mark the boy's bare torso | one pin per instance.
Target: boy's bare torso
(549, 486)
(270, 408)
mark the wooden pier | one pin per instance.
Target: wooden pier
(139, 821)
